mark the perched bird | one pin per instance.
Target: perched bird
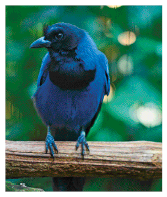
(71, 85)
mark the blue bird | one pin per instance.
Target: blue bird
(71, 85)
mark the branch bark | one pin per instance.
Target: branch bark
(139, 159)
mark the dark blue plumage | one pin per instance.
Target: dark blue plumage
(71, 85)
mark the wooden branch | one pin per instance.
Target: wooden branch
(139, 159)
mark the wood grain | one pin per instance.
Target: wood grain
(137, 159)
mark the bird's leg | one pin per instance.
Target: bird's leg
(50, 144)
(82, 140)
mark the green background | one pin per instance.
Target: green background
(132, 111)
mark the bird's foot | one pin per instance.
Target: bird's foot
(82, 140)
(50, 144)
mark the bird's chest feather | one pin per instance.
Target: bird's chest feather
(68, 73)
(67, 108)
(70, 96)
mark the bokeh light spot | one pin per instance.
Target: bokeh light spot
(148, 114)
(127, 38)
(114, 6)
(110, 96)
(125, 64)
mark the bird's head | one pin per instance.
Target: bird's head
(60, 36)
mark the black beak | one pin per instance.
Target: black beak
(41, 43)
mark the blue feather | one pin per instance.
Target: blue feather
(71, 85)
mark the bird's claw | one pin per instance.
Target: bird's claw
(50, 144)
(82, 140)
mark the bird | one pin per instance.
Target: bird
(72, 82)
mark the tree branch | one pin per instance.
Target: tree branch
(139, 159)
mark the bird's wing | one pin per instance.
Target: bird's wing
(44, 70)
(104, 64)
(93, 119)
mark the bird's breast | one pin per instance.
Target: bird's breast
(67, 108)
(70, 81)
(69, 74)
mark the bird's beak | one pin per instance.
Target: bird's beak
(41, 43)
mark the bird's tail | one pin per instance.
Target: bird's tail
(68, 183)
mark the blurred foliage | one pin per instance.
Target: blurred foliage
(20, 188)
(131, 38)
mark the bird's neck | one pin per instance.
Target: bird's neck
(67, 72)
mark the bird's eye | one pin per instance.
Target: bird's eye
(59, 36)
